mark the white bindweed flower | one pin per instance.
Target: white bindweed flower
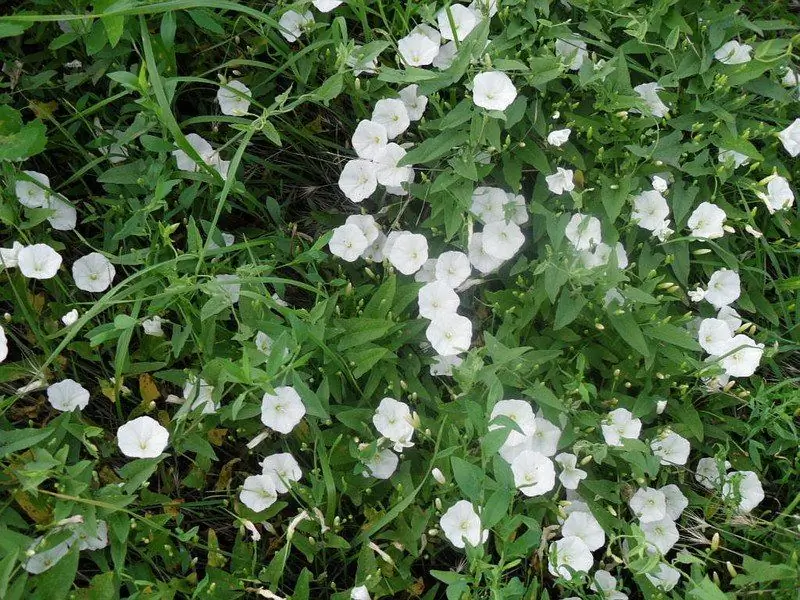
(790, 79)
(488, 204)
(367, 225)
(671, 448)
(207, 154)
(348, 242)
(374, 251)
(38, 261)
(68, 395)
(359, 593)
(731, 318)
(153, 326)
(493, 90)
(414, 103)
(559, 137)
(452, 268)
(570, 475)
(70, 318)
(708, 474)
(583, 525)
(742, 356)
(393, 421)
(258, 492)
(706, 221)
(417, 49)
(199, 393)
(660, 184)
(736, 158)
(676, 502)
(560, 181)
(605, 583)
(369, 139)
(462, 525)
(9, 257)
(650, 210)
(96, 540)
(383, 464)
(733, 53)
(545, 439)
(443, 366)
(388, 172)
(427, 272)
(502, 240)
(326, 5)
(649, 505)
(283, 469)
(234, 98)
(64, 217)
(479, 258)
(463, 22)
(393, 115)
(724, 287)
(620, 424)
(534, 473)
(484, 8)
(518, 208)
(569, 557)
(790, 138)
(573, 52)
(714, 336)
(360, 63)
(779, 195)
(142, 437)
(519, 411)
(283, 410)
(437, 300)
(294, 24)
(408, 252)
(93, 273)
(43, 560)
(664, 577)
(744, 488)
(661, 535)
(447, 54)
(450, 334)
(33, 194)
(359, 179)
(583, 231)
(648, 92)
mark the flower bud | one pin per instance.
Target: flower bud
(438, 476)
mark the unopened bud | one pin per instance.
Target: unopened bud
(438, 475)
(715, 541)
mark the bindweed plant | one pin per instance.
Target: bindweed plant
(371, 299)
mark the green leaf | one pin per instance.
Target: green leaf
(628, 329)
(496, 507)
(435, 147)
(56, 582)
(19, 142)
(100, 588)
(12, 29)
(568, 308)
(469, 477)
(672, 335)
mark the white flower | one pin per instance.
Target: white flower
(9, 257)
(143, 437)
(374, 251)
(446, 56)
(518, 207)
(369, 138)
(790, 78)
(676, 502)
(620, 424)
(42, 561)
(559, 137)
(452, 268)
(583, 231)
(293, 24)
(790, 138)
(414, 103)
(648, 92)
(207, 154)
(569, 557)
(573, 52)
(659, 183)
(409, 252)
(450, 334)
(33, 194)
(283, 469)
(479, 258)
(392, 114)
(661, 534)
(417, 50)
(92, 541)
(64, 216)
(388, 171)
(650, 210)
(665, 577)
(430, 32)
(229, 286)
(493, 90)
(714, 336)
(436, 300)
(723, 288)
(545, 439)
(519, 411)
(488, 204)
(348, 242)
(383, 464)
(671, 448)
(231, 102)
(283, 410)
(742, 356)
(649, 505)
(708, 473)
(502, 240)
(534, 473)
(153, 326)
(560, 181)
(484, 8)
(745, 488)
(613, 295)
(359, 593)
(393, 421)
(706, 221)
(200, 394)
(358, 179)
(326, 5)
(779, 195)
(444, 365)
(67, 395)
(464, 21)
(93, 272)
(367, 225)
(570, 475)
(358, 61)
(462, 525)
(258, 492)
(38, 261)
(663, 231)
(737, 158)
(605, 583)
(70, 318)
(583, 525)
(733, 53)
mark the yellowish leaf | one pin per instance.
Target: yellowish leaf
(147, 388)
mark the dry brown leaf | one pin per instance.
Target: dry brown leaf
(148, 389)
(217, 435)
(34, 508)
(225, 476)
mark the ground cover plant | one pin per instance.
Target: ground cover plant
(372, 299)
